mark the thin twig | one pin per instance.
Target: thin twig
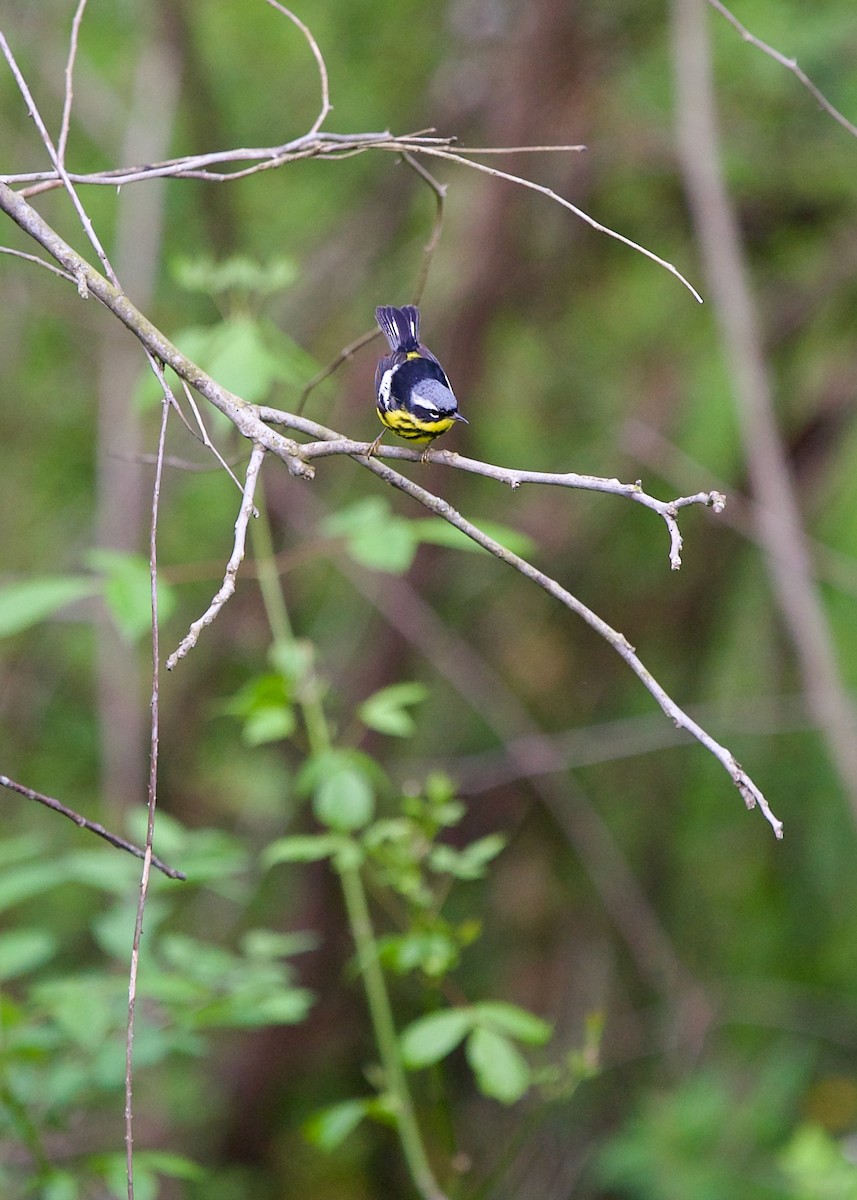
(429, 249)
(789, 63)
(522, 181)
(205, 439)
(650, 447)
(68, 100)
(750, 793)
(344, 354)
(91, 826)
(39, 262)
(666, 509)
(167, 403)
(319, 58)
(431, 245)
(60, 168)
(227, 588)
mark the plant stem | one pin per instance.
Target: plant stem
(308, 690)
(385, 1030)
(347, 866)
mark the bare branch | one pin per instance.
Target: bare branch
(40, 262)
(168, 402)
(91, 826)
(227, 588)
(333, 444)
(431, 245)
(319, 58)
(55, 159)
(750, 793)
(789, 63)
(457, 156)
(249, 420)
(205, 439)
(68, 99)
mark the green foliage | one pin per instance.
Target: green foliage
(377, 538)
(816, 1166)
(123, 580)
(387, 711)
(489, 1030)
(25, 604)
(128, 591)
(64, 1026)
(567, 352)
(713, 1137)
(239, 276)
(264, 706)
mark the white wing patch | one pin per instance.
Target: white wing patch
(384, 389)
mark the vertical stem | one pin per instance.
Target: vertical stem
(385, 1030)
(356, 905)
(309, 693)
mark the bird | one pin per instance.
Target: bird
(413, 394)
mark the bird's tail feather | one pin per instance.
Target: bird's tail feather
(400, 326)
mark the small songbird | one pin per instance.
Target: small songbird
(414, 396)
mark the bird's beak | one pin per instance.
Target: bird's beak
(456, 416)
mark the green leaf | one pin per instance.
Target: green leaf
(238, 273)
(501, 1070)
(267, 944)
(344, 799)
(816, 1166)
(25, 604)
(61, 1185)
(374, 536)
(386, 710)
(341, 783)
(429, 1039)
(310, 847)
(127, 590)
(517, 1022)
(469, 862)
(329, 1127)
(434, 953)
(22, 950)
(441, 533)
(31, 879)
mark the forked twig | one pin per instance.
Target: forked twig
(332, 444)
(83, 216)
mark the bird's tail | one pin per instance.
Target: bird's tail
(400, 326)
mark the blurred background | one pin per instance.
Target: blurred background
(634, 884)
